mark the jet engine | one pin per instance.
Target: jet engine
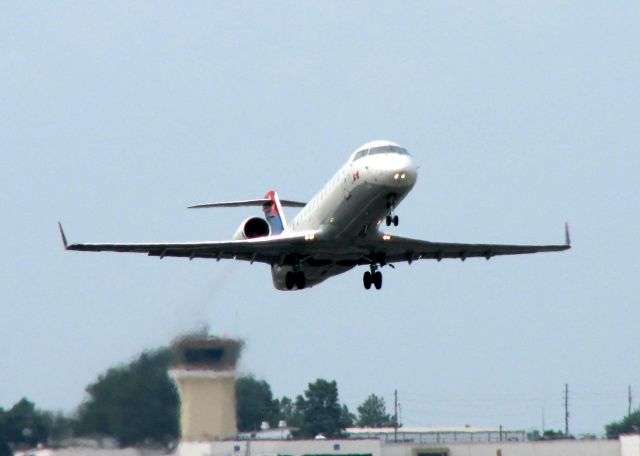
(252, 227)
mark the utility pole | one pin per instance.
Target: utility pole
(395, 416)
(566, 410)
(543, 423)
(630, 399)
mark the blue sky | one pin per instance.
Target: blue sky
(116, 116)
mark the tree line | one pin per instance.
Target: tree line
(137, 404)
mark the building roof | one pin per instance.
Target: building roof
(419, 429)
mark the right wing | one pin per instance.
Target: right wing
(391, 249)
(270, 249)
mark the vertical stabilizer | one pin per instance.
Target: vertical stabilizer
(273, 213)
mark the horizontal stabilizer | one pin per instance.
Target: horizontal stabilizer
(254, 202)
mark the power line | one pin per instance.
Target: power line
(566, 409)
(395, 416)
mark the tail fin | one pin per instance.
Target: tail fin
(274, 213)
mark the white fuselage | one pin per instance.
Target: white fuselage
(351, 205)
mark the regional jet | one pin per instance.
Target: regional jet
(334, 232)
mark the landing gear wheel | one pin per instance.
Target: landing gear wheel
(300, 280)
(395, 220)
(289, 280)
(377, 279)
(388, 220)
(367, 280)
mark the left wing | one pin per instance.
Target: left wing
(392, 249)
(244, 203)
(270, 250)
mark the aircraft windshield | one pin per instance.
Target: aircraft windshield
(380, 150)
(388, 150)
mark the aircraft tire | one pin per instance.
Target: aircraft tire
(289, 280)
(300, 280)
(395, 220)
(388, 220)
(377, 279)
(366, 280)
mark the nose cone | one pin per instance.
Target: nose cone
(399, 171)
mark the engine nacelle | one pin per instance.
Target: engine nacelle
(252, 227)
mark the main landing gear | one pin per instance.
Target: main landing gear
(373, 277)
(296, 278)
(391, 205)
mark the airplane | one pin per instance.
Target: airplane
(336, 231)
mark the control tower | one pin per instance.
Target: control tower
(204, 371)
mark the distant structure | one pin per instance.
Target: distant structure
(436, 434)
(282, 432)
(204, 371)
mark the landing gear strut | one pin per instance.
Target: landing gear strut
(391, 205)
(296, 278)
(373, 277)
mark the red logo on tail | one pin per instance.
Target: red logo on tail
(271, 195)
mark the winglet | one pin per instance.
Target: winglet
(64, 238)
(567, 235)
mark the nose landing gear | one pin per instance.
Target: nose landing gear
(373, 277)
(391, 205)
(389, 220)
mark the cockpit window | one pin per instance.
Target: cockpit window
(360, 154)
(380, 150)
(387, 150)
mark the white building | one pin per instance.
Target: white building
(625, 446)
(436, 434)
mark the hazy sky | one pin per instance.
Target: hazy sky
(114, 116)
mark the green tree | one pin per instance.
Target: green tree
(319, 410)
(555, 435)
(286, 410)
(26, 426)
(135, 403)
(346, 417)
(534, 435)
(60, 426)
(255, 404)
(373, 413)
(5, 450)
(549, 434)
(629, 424)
